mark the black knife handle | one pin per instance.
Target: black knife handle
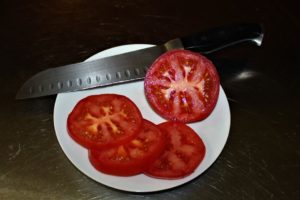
(219, 38)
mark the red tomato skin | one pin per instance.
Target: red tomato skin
(157, 103)
(163, 167)
(89, 143)
(130, 166)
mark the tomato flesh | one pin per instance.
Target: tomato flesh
(104, 120)
(133, 157)
(184, 151)
(182, 86)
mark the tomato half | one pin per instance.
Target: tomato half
(133, 157)
(184, 151)
(104, 120)
(182, 86)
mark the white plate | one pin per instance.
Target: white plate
(214, 131)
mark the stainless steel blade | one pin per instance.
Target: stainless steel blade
(116, 69)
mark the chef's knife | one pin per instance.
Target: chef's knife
(133, 65)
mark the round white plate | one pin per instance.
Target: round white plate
(214, 131)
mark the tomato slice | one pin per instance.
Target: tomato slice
(133, 157)
(104, 120)
(182, 86)
(184, 151)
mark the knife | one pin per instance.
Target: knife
(133, 65)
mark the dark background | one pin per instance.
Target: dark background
(261, 157)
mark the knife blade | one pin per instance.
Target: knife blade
(133, 65)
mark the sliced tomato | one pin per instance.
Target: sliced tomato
(182, 86)
(133, 157)
(104, 120)
(183, 153)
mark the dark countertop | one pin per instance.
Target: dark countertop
(261, 159)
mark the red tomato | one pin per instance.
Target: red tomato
(184, 151)
(133, 157)
(104, 120)
(182, 86)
